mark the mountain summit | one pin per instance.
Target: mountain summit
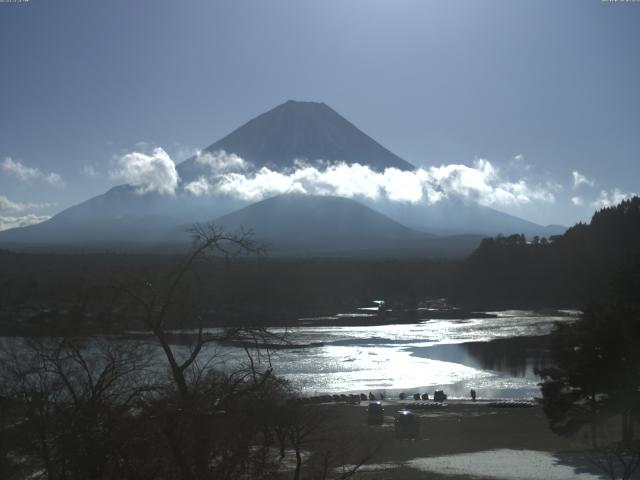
(308, 131)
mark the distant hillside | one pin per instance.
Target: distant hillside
(572, 269)
(313, 219)
(297, 224)
(454, 216)
(120, 216)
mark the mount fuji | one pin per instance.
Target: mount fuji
(291, 132)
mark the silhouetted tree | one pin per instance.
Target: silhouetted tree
(76, 396)
(596, 377)
(572, 269)
(596, 370)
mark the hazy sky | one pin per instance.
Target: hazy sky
(540, 89)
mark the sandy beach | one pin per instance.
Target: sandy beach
(460, 441)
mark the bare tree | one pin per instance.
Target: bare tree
(303, 422)
(207, 429)
(74, 395)
(208, 239)
(617, 458)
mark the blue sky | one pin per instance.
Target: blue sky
(540, 89)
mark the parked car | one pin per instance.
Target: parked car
(439, 396)
(407, 424)
(375, 413)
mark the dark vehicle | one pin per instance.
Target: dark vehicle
(407, 425)
(375, 413)
(439, 396)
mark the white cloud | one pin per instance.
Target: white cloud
(148, 173)
(198, 187)
(609, 199)
(577, 201)
(7, 205)
(229, 175)
(579, 179)
(482, 182)
(142, 145)
(89, 171)
(183, 152)
(28, 174)
(54, 179)
(13, 222)
(518, 162)
(263, 183)
(20, 171)
(222, 162)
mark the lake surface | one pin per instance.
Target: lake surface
(495, 356)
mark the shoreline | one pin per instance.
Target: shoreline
(462, 440)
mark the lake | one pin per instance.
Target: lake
(495, 356)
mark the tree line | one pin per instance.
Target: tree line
(593, 382)
(565, 270)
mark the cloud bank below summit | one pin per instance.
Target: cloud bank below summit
(8, 222)
(155, 172)
(229, 175)
(12, 221)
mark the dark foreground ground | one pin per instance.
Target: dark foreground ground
(517, 443)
